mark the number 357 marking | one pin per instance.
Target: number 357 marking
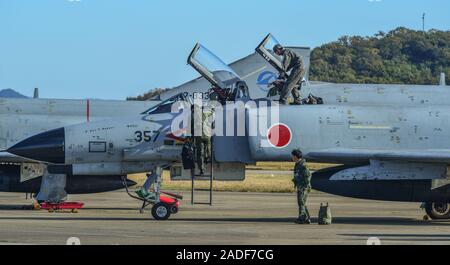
(145, 136)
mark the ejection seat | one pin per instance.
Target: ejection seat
(241, 91)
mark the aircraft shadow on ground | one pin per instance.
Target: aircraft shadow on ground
(403, 237)
(389, 221)
(336, 220)
(6, 207)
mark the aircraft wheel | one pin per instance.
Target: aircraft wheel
(438, 210)
(161, 211)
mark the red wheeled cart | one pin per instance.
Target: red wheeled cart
(167, 204)
(53, 207)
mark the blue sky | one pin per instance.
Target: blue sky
(112, 49)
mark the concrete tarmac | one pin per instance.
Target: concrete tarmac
(235, 218)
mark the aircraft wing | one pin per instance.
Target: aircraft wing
(364, 155)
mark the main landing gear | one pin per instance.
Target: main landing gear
(437, 210)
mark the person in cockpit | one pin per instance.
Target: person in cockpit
(293, 63)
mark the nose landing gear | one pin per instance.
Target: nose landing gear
(163, 203)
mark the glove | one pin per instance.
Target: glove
(294, 182)
(282, 75)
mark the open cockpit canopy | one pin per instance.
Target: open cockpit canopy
(212, 67)
(265, 49)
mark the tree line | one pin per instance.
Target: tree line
(401, 56)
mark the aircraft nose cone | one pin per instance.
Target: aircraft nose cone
(45, 147)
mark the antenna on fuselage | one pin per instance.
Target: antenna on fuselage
(36, 93)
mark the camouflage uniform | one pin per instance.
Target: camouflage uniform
(294, 63)
(203, 147)
(302, 181)
(203, 142)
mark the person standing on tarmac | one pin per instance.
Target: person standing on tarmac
(293, 63)
(302, 182)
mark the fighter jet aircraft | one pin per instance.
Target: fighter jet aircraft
(22, 118)
(121, 146)
(389, 152)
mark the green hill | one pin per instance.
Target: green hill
(401, 56)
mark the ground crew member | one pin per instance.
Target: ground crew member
(202, 142)
(302, 182)
(293, 63)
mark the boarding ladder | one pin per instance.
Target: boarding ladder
(210, 178)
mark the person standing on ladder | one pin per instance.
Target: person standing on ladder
(201, 125)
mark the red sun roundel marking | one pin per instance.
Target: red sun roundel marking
(279, 135)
